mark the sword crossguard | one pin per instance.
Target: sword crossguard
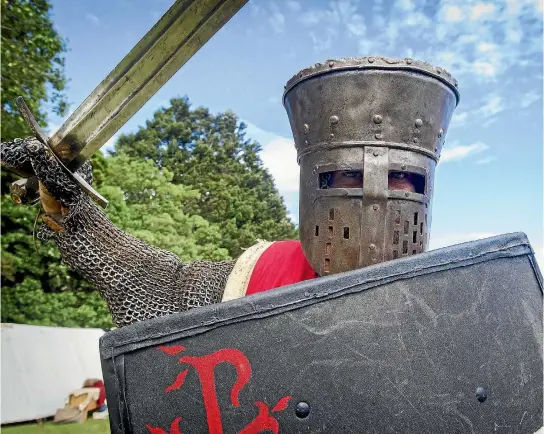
(27, 190)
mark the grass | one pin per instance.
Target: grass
(90, 427)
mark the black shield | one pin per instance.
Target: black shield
(449, 341)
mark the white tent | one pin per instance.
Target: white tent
(42, 365)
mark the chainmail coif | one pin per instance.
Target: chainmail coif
(138, 281)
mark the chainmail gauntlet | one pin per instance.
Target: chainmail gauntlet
(138, 281)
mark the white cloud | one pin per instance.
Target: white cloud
(460, 152)
(93, 19)
(325, 25)
(459, 118)
(482, 11)
(280, 158)
(486, 160)
(529, 98)
(277, 21)
(293, 6)
(492, 107)
(485, 69)
(453, 14)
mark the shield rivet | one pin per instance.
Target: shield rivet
(302, 410)
(419, 123)
(375, 207)
(377, 119)
(372, 247)
(334, 120)
(481, 394)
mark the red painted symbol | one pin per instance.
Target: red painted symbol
(205, 367)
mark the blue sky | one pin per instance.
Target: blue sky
(490, 178)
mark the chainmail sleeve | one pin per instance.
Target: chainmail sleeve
(138, 281)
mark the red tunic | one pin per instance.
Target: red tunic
(282, 263)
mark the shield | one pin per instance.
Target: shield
(448, 341)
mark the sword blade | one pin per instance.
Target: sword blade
(176, 37)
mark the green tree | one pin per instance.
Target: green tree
(32, 62)
(37, 289)
(210, 153)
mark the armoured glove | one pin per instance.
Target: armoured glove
(138, 281)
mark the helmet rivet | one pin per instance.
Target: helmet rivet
(403, 167)
(440, 133)
(435, 149)
(416, 140)
(409, 61)
(372, 247)
(371, 60)
(331, 136)
(377, 119)
(378, 136)
(331, 64)
(334, 120)
(375, 207)
(419, 123)
(306, 128)
(305, 142)
(407, 194)
(438, 70)
(375, 153)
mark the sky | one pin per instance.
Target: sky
(489, 180)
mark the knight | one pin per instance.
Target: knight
(368, 133)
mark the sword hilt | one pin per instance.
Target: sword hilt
(26, 190)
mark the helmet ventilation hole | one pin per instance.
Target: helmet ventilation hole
(346, 233)
(317, 231)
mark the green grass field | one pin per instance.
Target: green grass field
(89, 427)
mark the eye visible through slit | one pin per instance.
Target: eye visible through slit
(340, 179)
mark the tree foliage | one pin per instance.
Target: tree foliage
(32, 64)
(211, 154)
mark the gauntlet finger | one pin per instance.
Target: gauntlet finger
(52, 175)
(14, 156)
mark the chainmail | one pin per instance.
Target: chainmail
(138, 281)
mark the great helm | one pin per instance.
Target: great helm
(368, 116)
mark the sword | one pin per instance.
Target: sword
(170, 43)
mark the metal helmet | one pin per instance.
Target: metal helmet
(377, 119)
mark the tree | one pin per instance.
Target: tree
(32, 62)
(211, 154)
(37, 289)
